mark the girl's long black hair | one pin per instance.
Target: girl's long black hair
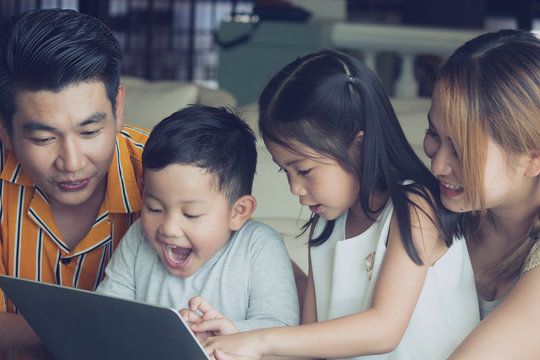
(323, 100)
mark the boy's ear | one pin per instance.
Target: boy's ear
(141, 183)
(532, 167)
(4, 133)
(242, 210)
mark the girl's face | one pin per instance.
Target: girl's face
(502, 182)
(319, 181)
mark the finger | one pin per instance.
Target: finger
(220, 355)
(195, 302)
(208, 311)
(190, 316)
(216, 326)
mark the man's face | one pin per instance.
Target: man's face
(65, 140)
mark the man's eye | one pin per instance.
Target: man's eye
(90, 133)
(42, 141)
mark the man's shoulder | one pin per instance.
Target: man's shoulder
(134, 136)
(131, 141)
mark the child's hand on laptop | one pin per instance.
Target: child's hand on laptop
(210, 323)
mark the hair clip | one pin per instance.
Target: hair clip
(351, 78)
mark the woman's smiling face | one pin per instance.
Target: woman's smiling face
(501, 180)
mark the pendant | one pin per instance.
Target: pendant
(368, 264)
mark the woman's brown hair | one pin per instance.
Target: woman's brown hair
(490, 87)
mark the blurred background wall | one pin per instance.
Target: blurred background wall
(176, 39)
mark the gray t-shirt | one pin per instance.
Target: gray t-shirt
(250, 280)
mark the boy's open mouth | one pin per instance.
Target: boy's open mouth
(176, 256)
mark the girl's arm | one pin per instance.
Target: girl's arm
(512, 330)
(377, 330)
(309, 308)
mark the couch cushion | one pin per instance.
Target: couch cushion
(148, 102)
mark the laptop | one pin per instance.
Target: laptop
(79, 324)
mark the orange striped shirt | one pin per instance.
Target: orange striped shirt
(31, 246)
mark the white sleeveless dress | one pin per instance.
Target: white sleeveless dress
(447, 309)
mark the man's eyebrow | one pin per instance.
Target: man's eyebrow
(37, 126)
(94, 118)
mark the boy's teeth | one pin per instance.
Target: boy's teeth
(177, 254)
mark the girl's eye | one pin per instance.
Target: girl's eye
(304, 172)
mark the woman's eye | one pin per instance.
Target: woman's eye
(454, 152)
(430, 132)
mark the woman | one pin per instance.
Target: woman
(484, 143)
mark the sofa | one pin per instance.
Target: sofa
(148, 102)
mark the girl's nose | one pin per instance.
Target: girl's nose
(296, 187)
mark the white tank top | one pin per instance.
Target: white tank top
(447, 309)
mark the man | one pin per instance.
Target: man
(69, 167)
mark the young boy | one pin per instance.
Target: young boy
(198, 167)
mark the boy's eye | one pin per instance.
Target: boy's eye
(153, 210)
(191, 216)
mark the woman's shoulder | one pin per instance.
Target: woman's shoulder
(533, 259)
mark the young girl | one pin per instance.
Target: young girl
(384, 276)
(484, 144)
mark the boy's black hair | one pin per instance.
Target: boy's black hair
(211, 138)
(51, 49)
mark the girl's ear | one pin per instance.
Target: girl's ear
(4, 133)
(357, 145)
(359, 138)
(242, 210)
(532, 168)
